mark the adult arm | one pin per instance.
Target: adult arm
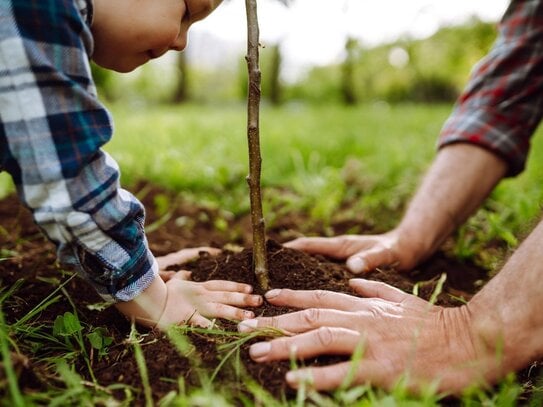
(460, 178)
(500, 330)
(496, 115)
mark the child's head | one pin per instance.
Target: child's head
(128, 33)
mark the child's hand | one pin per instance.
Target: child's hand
(183, 256)
(193, 303)
(173, 299)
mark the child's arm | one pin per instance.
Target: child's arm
(52, 129)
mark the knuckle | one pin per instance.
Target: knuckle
(345, 243)
(311, 316)
(320, 295)
(268, 322)
(325, 336)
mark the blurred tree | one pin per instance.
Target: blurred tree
(433, 69)
(348, 89)
(104, 81)
(272, 80)
(181, 92)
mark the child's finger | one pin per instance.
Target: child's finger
(198, 320)
(234, 298)
(184, 256)
(166, 275)
(219, 310)
(223, 285)
(182, 275)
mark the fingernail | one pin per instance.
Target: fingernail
(256, 300)
(248, 314)
(248, 325)
(272, 294)
(295, 377)
(291, 377)
(356, 265)
(259, 350)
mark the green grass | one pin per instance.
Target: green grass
(372, 156)
(320, 157)
(200, 147)
(314, 152)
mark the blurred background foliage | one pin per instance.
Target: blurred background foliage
(426, 70)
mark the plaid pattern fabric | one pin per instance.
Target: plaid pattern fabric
(52, 128)
(502, 104)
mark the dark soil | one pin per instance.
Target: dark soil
(33, 259)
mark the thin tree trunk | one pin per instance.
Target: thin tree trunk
(275, 75)
(347, 82)
(260, 261)
(181, 93)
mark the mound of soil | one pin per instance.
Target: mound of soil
(31, 258)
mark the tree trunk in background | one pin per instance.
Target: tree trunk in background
(347, 78)
(181, 94)
(275, 75)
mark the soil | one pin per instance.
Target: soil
(32, 259)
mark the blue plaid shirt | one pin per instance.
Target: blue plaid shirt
(52, 128)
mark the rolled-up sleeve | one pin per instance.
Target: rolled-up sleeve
(51, 134)
(502, 104)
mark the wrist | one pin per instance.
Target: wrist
(410, 246)
(505, 347)
(147, 308)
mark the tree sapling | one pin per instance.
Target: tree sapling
(260, 262)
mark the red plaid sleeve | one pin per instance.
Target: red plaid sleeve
(502, 104)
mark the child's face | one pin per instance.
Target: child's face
(128, 33)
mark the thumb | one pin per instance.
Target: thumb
(182, 275)
(369, 259)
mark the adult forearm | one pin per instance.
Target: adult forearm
(506, 313)
(458, 181)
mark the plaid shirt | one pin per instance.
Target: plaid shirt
(52, 128)
(502, 104)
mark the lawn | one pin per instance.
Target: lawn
(336, 169)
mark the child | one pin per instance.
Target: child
(51, 133)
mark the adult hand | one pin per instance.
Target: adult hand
(363, 253)
(399, 334)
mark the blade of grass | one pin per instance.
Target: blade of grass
(142, 367)
(50, 299)
(13, 383)
(11, 290)
(79, 334)
(438, 289)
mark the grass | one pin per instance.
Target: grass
(320, 157)
(371, 156)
